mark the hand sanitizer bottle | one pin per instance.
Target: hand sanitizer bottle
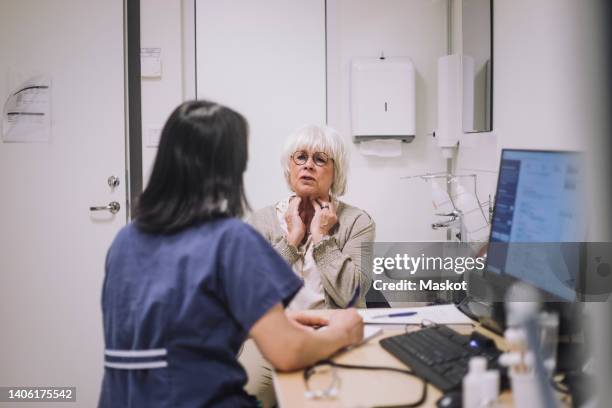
(472, 382)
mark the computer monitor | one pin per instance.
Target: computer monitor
(538, 221)
(537, 227)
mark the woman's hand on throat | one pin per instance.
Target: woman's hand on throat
(323, 220)
(296, 228)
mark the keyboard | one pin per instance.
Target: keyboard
(440, 355)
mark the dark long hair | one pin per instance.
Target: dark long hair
(197, 174)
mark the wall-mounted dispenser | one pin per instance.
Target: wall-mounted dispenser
(383, 99)
(450, 76)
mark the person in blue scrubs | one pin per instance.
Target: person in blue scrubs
(187, 281)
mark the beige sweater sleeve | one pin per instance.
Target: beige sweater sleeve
(341, 271)
(264, 221)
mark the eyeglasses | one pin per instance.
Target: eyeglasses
(319, 158)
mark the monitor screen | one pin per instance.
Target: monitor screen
(538, 220)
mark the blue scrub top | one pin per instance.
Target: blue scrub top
(178, 307)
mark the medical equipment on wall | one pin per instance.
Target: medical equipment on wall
(383, 100)
(463, 209)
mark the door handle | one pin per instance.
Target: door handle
(113, 207)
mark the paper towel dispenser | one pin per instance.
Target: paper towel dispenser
(383, 99)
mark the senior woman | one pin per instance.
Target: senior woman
(317, 234)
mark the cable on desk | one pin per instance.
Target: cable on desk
(310, 370)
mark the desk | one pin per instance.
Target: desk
(363, 388)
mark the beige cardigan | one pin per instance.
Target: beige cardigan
(337, 258)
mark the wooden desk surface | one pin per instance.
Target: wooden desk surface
(365, 388)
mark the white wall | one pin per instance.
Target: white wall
(356, 28)
(544, 90)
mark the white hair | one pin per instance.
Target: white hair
(319, 139)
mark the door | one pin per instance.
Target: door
(52, 247)
(270, 66)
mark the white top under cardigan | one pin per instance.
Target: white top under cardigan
(311, 294)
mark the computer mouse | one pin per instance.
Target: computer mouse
(452, 399)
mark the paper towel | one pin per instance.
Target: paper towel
(381, 148)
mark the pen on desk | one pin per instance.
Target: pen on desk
(353, 300)
(400, 314)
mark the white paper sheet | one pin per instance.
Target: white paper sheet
(370, 332)
(26, 116)
(150, 62)
(153, 133)
(441, 314)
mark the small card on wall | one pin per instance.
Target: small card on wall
(150, 62)
(153, 134)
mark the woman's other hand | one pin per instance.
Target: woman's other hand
(349, 322)
(324, 219)
(296, 229)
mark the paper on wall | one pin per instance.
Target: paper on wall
(150, 62)
(26, 116)
(153, 133)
